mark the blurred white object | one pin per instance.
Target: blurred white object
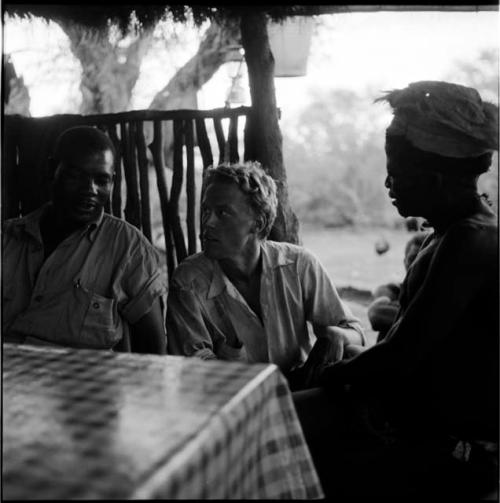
(290, 43)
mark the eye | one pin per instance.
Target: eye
(221, 212)
(103, 181)
(71, 175)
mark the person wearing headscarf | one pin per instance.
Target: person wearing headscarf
(424, 401)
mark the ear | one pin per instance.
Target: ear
(260, 225)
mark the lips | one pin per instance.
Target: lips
(209, 239)
(86, 204)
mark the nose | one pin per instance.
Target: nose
(209, 218)
(91, 186)
(388, 181)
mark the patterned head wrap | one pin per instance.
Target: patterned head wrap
(445, 119)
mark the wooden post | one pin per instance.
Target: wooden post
(265, 140)
(143, 180)
(190, 187)
(116, 198)
(156, 148)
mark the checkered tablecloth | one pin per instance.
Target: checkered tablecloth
(96, 424)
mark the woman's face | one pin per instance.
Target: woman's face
(411, 187)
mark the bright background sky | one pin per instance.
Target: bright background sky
(380, 50)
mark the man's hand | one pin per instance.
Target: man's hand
(328, 349)
(332, 345)
(148, 334)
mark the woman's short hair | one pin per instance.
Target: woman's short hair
(252, 181)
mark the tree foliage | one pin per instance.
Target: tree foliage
(334, 151)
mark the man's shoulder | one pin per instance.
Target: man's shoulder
(121, 229)
(288, 253)
(8, 226)
(194, 271)
(13, 226)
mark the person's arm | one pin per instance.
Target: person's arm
(333, 323)
(187, 332)
(147, 335)
(462, 264)
(339, 337)
(382, 313)
(141, 290)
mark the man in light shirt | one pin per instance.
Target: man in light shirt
(249, 299)
(73, 275)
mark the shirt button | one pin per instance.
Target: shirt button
(95, 305)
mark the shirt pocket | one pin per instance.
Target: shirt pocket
(101, 324)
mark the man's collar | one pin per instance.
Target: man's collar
(31, 223)
(272, 257)
(92, 227)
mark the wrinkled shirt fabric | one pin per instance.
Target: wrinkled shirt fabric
(437, 368)
(85, 294)
(207, 317)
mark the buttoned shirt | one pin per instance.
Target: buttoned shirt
(96, 282)
(209, 318)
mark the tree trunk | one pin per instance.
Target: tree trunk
(16, 94)
(181, 91)
(264, 142)
(109, 72)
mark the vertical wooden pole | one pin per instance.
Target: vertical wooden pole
(156, 148)
(175, 192)
(221, 141)
(204, 143)
(232, 140)
(265, 140)
(116, 198)
(143, 179)
(190, 187)
(132, 206)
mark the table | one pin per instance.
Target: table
(85, 424)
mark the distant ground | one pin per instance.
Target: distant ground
(349, 256)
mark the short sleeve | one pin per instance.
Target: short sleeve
(187, 331)
(322, 303)
(141, 281)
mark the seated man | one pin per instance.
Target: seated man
(246, 298)
(383, 310)
(73, 275)
(422, 405)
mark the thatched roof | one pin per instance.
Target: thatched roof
(98, 15)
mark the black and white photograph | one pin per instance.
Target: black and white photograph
(250, 251)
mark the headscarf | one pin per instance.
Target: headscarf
(443, 118)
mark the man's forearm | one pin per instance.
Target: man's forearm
(347, 334)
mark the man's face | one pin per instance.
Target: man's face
(228, 221)
(83, 184)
